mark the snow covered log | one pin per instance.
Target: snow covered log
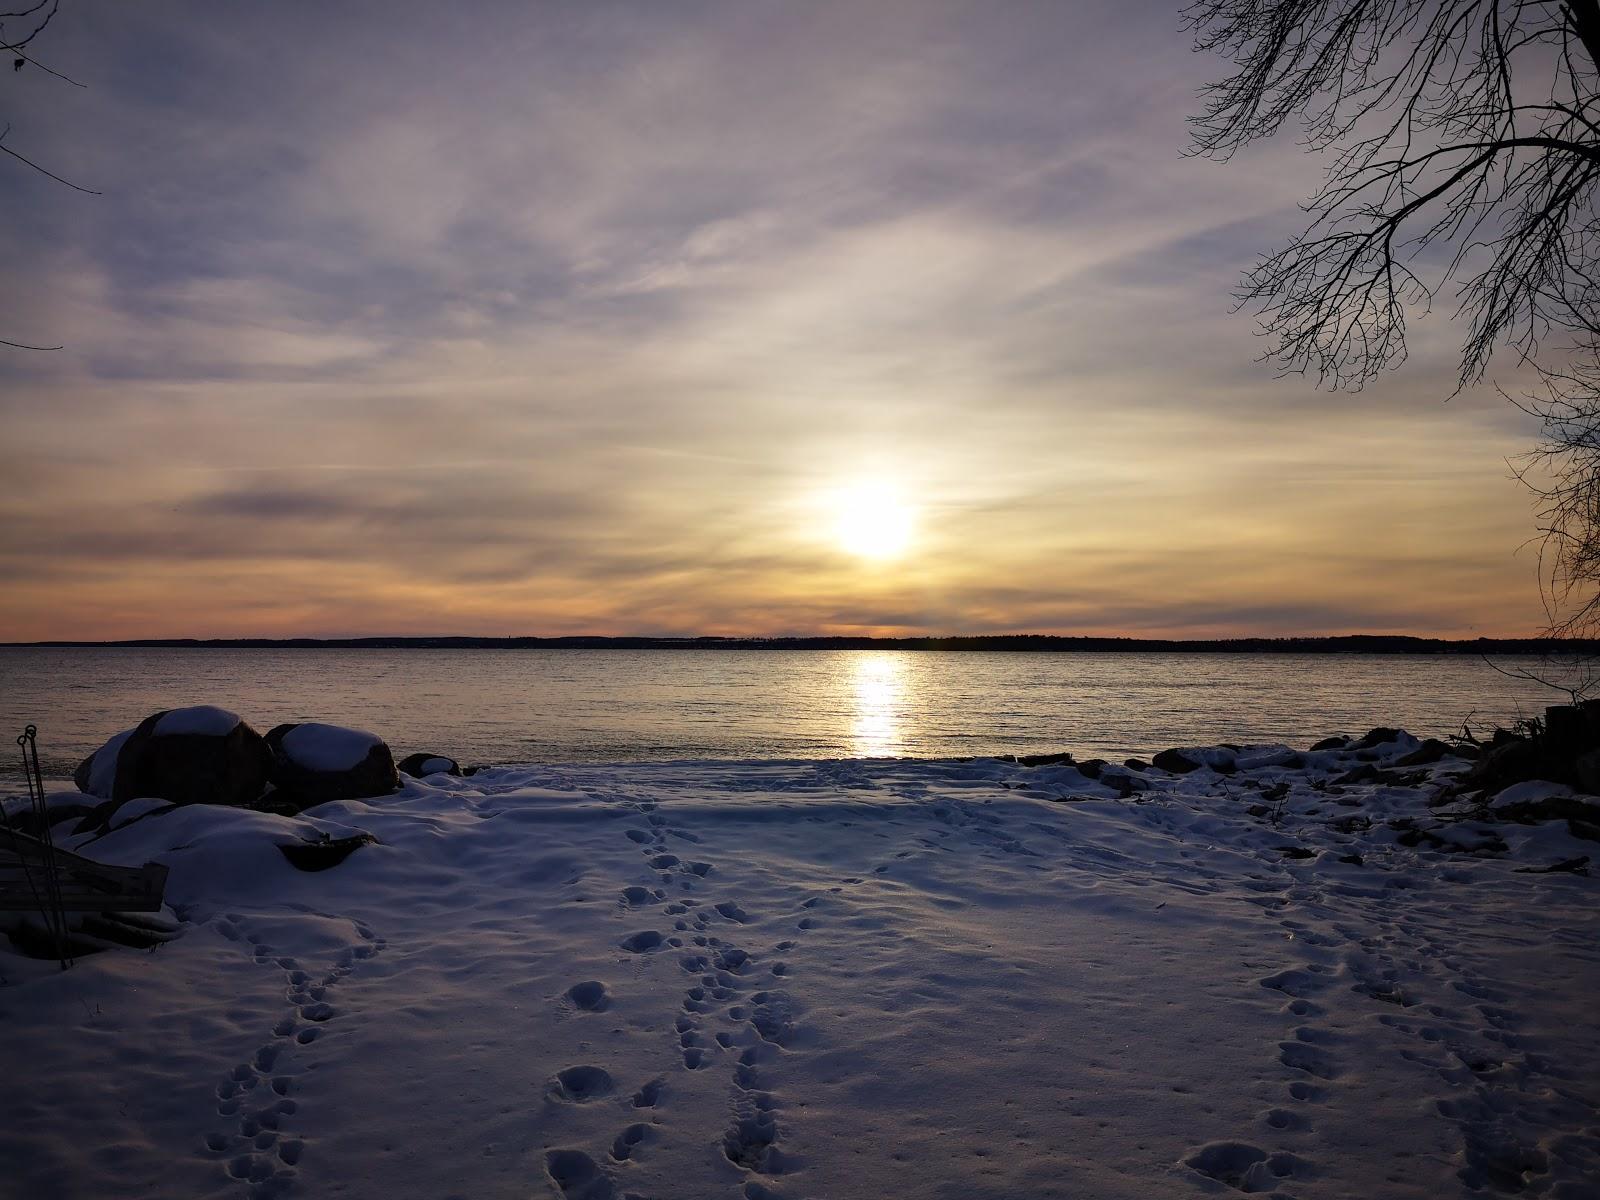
(197, 755)
(313, 763)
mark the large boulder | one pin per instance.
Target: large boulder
(198, 755)
(315, 763)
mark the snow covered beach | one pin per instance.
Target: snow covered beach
(1284, 972)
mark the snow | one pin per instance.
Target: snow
(832, 979)
(433, 766)
(328, 747)
(103, 768)
(205, 719)
(64, 804)
(133, 810)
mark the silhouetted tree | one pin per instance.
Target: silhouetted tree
(1563, 472)
(1463, 141)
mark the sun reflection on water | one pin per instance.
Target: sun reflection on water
(877, 723)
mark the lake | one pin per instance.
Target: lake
(502, 706)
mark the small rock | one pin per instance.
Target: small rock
(1123, 785)
(1175, 761)
(1575, 866)
(1431, 751)
(330, 852)
(1378, 737)
(1043, 760)
(419, 766)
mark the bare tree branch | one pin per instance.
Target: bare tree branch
(1464, 144)
(4, 149)
(40, 15)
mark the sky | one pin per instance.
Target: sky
(699, 317)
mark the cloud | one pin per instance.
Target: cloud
(554, 319)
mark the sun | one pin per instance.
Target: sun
(872, 520)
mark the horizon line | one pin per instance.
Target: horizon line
(1014, 642)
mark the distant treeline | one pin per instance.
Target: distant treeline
(1019, 643)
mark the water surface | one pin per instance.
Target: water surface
(500, 706)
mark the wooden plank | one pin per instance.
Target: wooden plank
(85, 885)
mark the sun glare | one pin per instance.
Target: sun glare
(872, 520)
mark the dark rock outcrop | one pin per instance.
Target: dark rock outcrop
(314, 763)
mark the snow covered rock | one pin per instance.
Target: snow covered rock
(198, 755)
(313, 763)
(1535, 801)
(420, 766)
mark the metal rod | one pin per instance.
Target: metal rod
(50, 904)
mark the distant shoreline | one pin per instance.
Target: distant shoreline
(1001, 643)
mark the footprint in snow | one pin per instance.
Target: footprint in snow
(1308, 1093)
(1295, 982)
(578, 1176)
(590, 996)
(261, 1157)
(580, 1085)
(1241, 1166)
(629, 1140)
(1285, 1119)
(1302, 1057)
